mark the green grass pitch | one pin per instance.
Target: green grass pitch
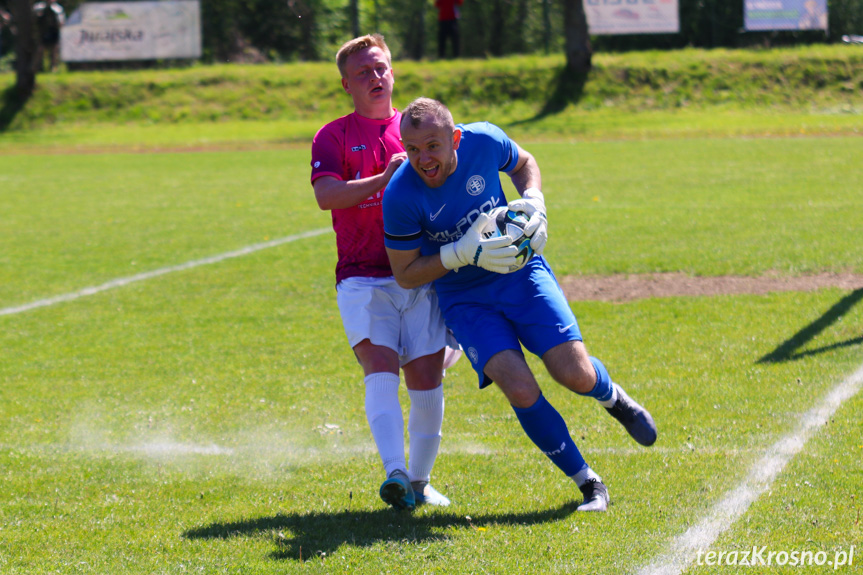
(211, 420)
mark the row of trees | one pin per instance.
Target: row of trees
(312, 29)
(289, 30)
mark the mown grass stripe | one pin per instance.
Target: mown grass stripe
(120, 282)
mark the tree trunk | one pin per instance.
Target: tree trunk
(421, 32)
(576, 37)
(546, 25)
(498, 28)
(521, 11)
(415, 38)
(22, 12)
(354, 9)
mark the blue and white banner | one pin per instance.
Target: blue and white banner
(632, 16)
(103, 31)
(785, 15)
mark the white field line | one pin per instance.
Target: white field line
(165, 446)
(761, 475)
(120, 282)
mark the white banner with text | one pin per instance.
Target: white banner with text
(118, 31)
(632, 16)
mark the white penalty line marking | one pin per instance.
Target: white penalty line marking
(761, 475)
(120, 282)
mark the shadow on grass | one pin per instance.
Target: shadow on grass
(787, 351)
(302, 537)
(568, 88)
(13, 103)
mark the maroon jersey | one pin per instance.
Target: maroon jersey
(352, 148)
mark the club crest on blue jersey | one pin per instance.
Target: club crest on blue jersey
(475, 185)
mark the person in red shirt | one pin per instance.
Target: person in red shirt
(388, 327)
(447, 19)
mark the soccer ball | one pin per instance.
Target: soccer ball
(505, 222)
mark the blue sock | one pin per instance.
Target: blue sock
(604, 389)
(547, 429)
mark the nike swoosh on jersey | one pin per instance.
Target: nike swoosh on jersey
(564, 328)
(437, 213)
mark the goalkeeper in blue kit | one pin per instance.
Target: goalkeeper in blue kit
(435, 209)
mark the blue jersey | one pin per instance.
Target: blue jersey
(488, 312)
(416, 216)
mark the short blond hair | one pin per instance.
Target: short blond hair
(424, 110)
(353, 46)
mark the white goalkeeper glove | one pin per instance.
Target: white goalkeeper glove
(493, 254)
(532, 203)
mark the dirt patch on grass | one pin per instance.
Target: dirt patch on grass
(621, 288)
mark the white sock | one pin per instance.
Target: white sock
(424, 428)
(584, 475)
(384, 414)
(613, 399)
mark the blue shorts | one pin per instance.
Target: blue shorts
(526, 307)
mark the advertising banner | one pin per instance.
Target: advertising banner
(785, 15)
(104, 31)
(632, 16)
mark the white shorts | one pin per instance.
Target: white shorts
(407, 321)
